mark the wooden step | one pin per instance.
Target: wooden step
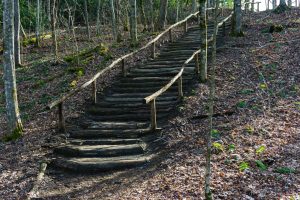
(99, 150)
(85, 165)
(104, 141)
(94, 133)
(130, 117)
(124, 111)
(113, 125)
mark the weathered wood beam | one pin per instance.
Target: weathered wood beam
(153, 115)
(61, 118)
(94, 91)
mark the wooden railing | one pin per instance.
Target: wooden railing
(177, 78)
(93, 81)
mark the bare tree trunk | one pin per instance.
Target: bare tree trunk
(117, 15)
(98, 18)
(194, 6)
(150, 11)
(208, 193)
(142, 13)
(162, 14)
(17, 25)
(37, 23)
(53, 29)
(133, 22)
(177, 10)
(12, 107)
(113, 19)
(237, 19)
(86, 14)
(203, 38)
(274, 4)
(49, 10)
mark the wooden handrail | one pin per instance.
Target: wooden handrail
(171, 82)
(60, 102)
(119, 60)
(178, 77)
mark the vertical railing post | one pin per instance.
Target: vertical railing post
(123, 68)
(170, 35)
(185, 26)
(258, 6)
(197, 64)
(224, 29)
(180, 92)
(94, 90)
(252, 6)
(61, 118)
(153, 115)
(153, 50)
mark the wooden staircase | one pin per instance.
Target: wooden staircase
(115, 132)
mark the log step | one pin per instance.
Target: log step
(99, 150)
(94, 133)
(104, 141)
(113, 125)
(101, 164)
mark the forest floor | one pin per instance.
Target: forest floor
(256, 149)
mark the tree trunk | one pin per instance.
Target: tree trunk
(237, 19)
(113, 19)
(142, 13)
(53, 29)
(12, 107)
(162, 14)
(133, 22)
(208, 193)
(177, 10)
(49, 10)
(274, 4)
(98, 18)
(150, 11)
(117, 15)
(86, 14)
(17, 25)
(203, 39)
(194, 6)
(37, 23)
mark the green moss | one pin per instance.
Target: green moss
(16, 134)
(87, 55)
(240, 34)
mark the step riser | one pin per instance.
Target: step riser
(99, 153)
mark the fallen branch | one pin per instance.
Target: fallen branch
(278, 42)
(40, 177)
(223, 114)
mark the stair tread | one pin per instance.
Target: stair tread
(102, 164)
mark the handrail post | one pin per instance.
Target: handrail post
(185, 26)
(61, 118)
(153, 115)
(153, 50)
(94, 91)
(197, 64)
(224, 29)
(123, 68)
(170, 35)
(180, 93)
